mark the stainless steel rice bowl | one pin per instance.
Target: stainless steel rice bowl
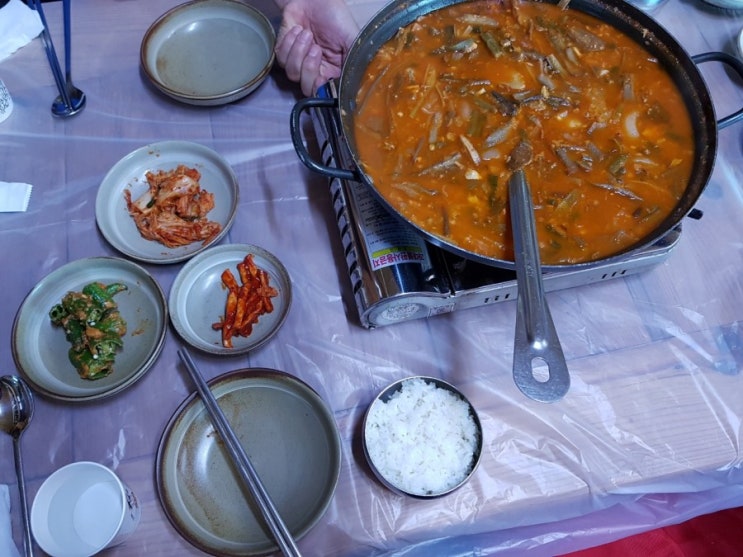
(422, 437)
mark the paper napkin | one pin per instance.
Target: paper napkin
(19, 25)
(7, 547)
(14, 197)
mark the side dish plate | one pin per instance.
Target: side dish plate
(119, 228)
(292, 440)
(208, 52)
(40, 348)
(197, 298)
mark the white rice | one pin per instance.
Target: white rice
(423, 439)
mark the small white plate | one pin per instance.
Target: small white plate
(208, 52)
(197, 298)
(292, 440)
(40, 348)
(118, 226)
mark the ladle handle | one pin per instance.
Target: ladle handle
(27, 540)
(535, 341)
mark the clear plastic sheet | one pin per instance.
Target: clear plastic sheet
(649, 434)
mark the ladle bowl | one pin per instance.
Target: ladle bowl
(16, 411)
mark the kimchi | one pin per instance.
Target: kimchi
(173, 210)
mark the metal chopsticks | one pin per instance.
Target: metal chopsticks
(51, 54)
(241, 461)
(71, 100)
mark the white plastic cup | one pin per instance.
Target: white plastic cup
(81, 509)
(6, 102)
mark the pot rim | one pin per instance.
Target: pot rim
(621, 15)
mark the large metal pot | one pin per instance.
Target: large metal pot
(635, 23)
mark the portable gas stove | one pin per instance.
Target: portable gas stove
(396, 275)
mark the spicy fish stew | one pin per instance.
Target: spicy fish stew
(457, 99)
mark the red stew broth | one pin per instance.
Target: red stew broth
(445, 102)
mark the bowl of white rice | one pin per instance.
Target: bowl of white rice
(422, 437)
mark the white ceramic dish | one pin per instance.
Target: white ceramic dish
(292, 440)
(40, 348)
(208, 52)
(197, 298)
(119, 228)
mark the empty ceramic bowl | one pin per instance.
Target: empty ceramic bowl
(208, 52)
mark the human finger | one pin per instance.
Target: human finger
(291, 50)
(284, 41)
(310, 73)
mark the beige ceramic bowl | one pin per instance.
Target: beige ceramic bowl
(40, 348)
(293, 441)
(208, 52)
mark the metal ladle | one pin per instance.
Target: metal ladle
(16, 411)
(535, 342)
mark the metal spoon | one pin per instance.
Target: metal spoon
(16, 411)
(75, 98)
(536, 340)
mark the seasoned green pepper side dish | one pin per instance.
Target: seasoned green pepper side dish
(93, 326)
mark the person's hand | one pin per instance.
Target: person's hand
(313, 40)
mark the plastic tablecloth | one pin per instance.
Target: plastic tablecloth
(648, 435)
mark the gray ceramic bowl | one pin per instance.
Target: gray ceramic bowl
(293, 441)
(130, 173)
(208, 52)
(413, 437)
(40, 348)
(197, 298)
